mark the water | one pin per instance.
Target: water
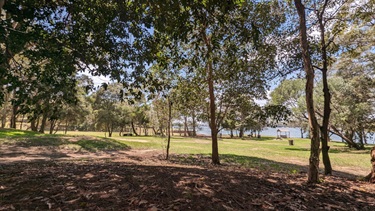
(294, 133)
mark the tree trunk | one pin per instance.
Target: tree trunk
(23, 116)
(371, 176)
(348, 140)
(33, 125)
(3, 119)
(121, 129)
(4, 111)
(327, 96)
(185, 126)
(13, 119)
(133, 128)
(215, 147)
(241, 132)
(43, 124)
(194, 124)
(169, 127)
(52, 126)
(231, 133)
(301, 132)
(110, 130)
(153, 129)
(211, 91)
(145, 129)
(37, 123)
(57, 126)
(66, 127)
(313, 173)
(364, 136)
(161, 131)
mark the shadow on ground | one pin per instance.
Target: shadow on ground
(86, 143)
(336, 150)
(250, 162)
(47, 148)
(123, 186)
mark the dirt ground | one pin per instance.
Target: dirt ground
(55, 178)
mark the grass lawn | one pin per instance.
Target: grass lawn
(87, 171)
(264, 153)
(261, 153)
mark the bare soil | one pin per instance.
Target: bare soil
(58, 178)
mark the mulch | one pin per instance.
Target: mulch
(151, 183)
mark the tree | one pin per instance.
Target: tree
(189, 101)
(106, 107)
(328, 18)
(244, 114)
(79, 115)
(371, 176)
(355, 69)
(352, 113)
(352, 103)
(221, 59)
(160, 113)
(290, 93)
(313, 173)
(169, 127)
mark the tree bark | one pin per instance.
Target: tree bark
(212, 104)
(133, 128)
(153, 129)
(37, 123)
(13, 120)
(215, 147)
(169, 127)
(371, 176)
(121, 129)
(313, 173)
(3, 120)
(327, 96)
(145, 129)
(21, 124)
(51, 126)
(241, 132)
(33, 125)
(110, 129)
(4, 110)
(194, 124)
(185, 125)
(57, 125)
(66, 127)
(349, 141)
(43, 124)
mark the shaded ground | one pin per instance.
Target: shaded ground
(67, 177)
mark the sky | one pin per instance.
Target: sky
(98, 80)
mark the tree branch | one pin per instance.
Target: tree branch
(316, 67)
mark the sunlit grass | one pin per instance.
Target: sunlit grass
(12, 133)
(266, 152)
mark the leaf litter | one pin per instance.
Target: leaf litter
(135, 180)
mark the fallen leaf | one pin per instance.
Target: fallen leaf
(152, 209)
